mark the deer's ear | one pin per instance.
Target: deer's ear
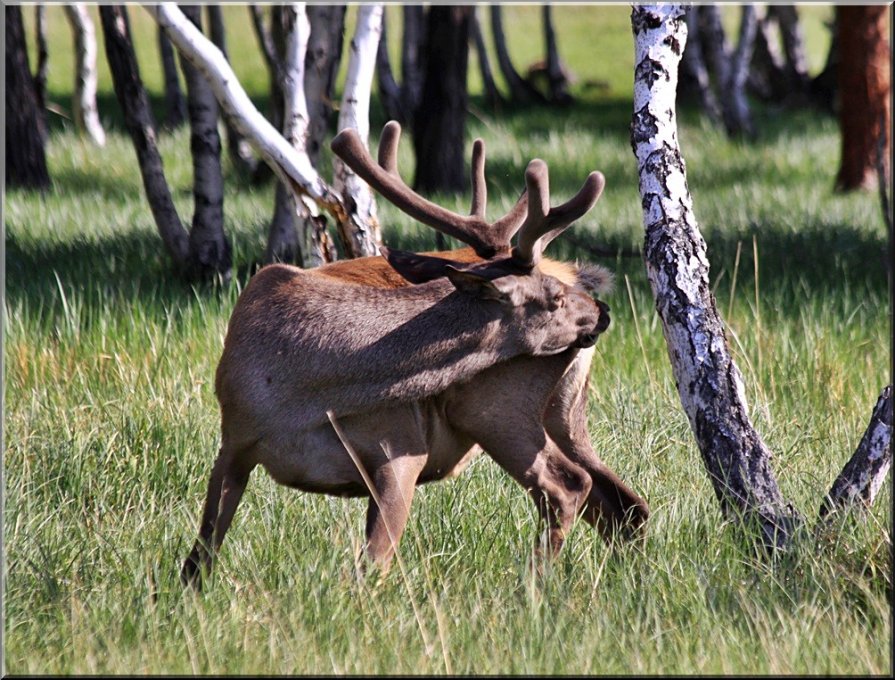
(413, 267)
(478, 285)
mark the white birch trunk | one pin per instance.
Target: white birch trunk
(283, 242)
(864, 474)
(86, 114)
(709, 384)
(360, 228)
(290, 165)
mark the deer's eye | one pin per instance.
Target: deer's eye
(558, 301)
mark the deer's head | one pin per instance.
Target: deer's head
(550, 314)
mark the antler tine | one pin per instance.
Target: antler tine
(479, 189)
(543, 224)
(385, 179)
(388, 147)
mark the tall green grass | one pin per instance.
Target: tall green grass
(111, 425)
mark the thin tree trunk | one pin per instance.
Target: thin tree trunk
(389, 91)
(40, 76)
(693, 61)
(709, 383)
(175, 103)
(787, 17)
(556, 77)
(359, 230)
(740, 118)
(314, 247)
(321, 67)
(26, 163)
(864, 86)
(271, 49)
(767, 75)
(520, 89)
(84, 107)
(492, 94)
(730, 66)
(823, 86)
(209, 247)
(864, 474)
(414, 51)
(240, 151)
(440, 122)
(290, 164)
(138, 120)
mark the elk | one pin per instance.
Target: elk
(529, 413)
(303, 350)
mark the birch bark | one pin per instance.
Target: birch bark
(291, 165)
(138, 120)
(709, 383)
(359, 229)
(209, 247)
(86, 114)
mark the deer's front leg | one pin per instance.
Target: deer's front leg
(393, 483)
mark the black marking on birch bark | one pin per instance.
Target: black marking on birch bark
(673, 43)
(643, 127)
(644, 20)
(650, 71)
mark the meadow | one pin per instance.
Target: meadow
(111, 424)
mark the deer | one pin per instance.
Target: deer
(529, 413)
(305, 351)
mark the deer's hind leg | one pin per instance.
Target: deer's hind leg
(611, 506)
(228, 480)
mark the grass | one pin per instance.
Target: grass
(110, 427)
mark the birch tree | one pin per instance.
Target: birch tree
(709, 384)
(86, 114)
(138, 120)
(322, 61)
(175, 104)
(209, 247)
(359, 229)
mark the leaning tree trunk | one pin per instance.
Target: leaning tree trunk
(864, 86)
(492, 94)
(138, 120)
(709, 383)
(321, 68)
(359, 230)
(787, 17)
(86, 114)
(440, 121)
(694, 62)
(556, 77)
(240, 150)
(414, 50)
(26, 162)
(209, 247)
(520, 89)
(175, 104)
(389, 90)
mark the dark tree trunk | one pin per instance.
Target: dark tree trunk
(40, 77)
(823, 86)
(440, 122)
(492, 94)
(864, 84)
(269, 49)
(556, 77)
(693, 63)
(138, 120)
(321, 67)
(209, 248)
(796, 64)
(520, 89)
(414, 52)
(26, 163)
(240, 151)
(389, 91)
(175, 104)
